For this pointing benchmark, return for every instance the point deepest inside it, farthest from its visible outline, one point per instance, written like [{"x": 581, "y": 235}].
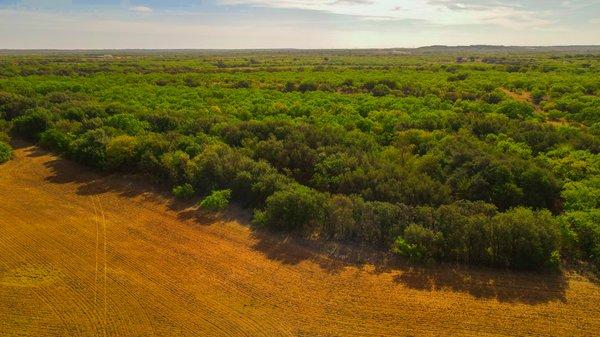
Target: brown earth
[
  {"x": 85, "y": 254},
  {"x": 524, "y": 96}
]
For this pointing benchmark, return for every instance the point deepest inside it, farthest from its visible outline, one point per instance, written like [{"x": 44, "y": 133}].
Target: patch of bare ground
[
  {"x": 87, "y": 254},
  {"x": 526, "y": 97}
]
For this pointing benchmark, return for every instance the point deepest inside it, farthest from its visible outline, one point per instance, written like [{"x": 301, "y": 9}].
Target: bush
[
  {"x": 289, "y": 87},
  {"x": 128, "y": 123},
  {"x": 121, "y": 152},
  {"x": 5, "y": 152},
  {"x": 582, "y": 195},
  {"x": 242, "y": 84},
  {"x": 184, "y": 192},
  {"x": 4, "y": 137},
  {"x": 90, "y": 148},
  {"x": 295, "y": 208},
  {"x": 307, "y": 86},
  {"x": 56, "y": 140},
  {"x": 405, "y": 249},
  {"x": 31, "y": 124},
  {"x": 418, "y": 243},
  {"x": 14, "y": 105},
  {"x": 217, "y": 200},
  {"x": 514, "y": 109},
  {"x": 340, "y": 217},
  {"x": 380, "y": 90},
  {"x": 524, "y": 239},
  {"x": 586, "y": 226}
]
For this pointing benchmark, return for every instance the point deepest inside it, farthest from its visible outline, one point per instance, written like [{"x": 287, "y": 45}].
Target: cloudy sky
[{"x": 69, "y": 24}]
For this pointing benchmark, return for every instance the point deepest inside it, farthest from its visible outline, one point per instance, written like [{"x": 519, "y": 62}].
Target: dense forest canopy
[{"x": 480, "y": 158}]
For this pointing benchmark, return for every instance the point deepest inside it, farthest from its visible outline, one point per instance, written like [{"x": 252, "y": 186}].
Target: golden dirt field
[{"x": 82, "y": 254}]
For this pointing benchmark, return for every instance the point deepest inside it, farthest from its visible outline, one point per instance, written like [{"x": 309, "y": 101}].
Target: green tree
[
  {"x": 218, "y": 200},
  {"x": 5, "y": 152},
  {"x": 296, "y": 207},
  {"x": 524, "y": 239},
  {"x": 184, "y": 191},
  {"x": 32, "y": 123},
  {"x": 121, "y": 153}
]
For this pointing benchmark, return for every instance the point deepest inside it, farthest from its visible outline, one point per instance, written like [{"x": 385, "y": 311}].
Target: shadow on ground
[{"x": 505, "y": 286}]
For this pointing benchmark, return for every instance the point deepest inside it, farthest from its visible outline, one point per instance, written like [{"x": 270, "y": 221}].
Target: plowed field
[{"x": 85, "y": 254}]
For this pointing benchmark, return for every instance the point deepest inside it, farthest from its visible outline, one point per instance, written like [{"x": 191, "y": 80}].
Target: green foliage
[
  {"x": 184, "y": 192},
  {"x": 380, "y": 90},
  {"x": 403, "y": 248},
  {"x": 514, "y": 109},
  {"x": 127, "y": 123},
  {"x": 419, "y": 243},
  {"x": 582, "y": 195},
  {"x": 586, "y": 227},
  {"x": 5, "y": 152},
  {"x": 90, "y": 148},
  {"x": 524, "y": 239},
  {"x": 432, "y": 157},
  {"x": 218, "y": 200},
  {"x": 295, "y": 208},
  {"x": 14, "y": 105},
  {"x": 121, "y": 153},
  {"x": 31, "y": 124},
  {"x": 4, "y": 137},
  {"x": 56, "y": 140}
]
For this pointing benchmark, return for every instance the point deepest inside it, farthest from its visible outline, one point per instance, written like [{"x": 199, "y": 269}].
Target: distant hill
[{"x": 435, "y": 49}]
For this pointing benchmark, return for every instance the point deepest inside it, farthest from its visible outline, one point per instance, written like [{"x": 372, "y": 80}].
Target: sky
[{"x": 242, "y": 24}]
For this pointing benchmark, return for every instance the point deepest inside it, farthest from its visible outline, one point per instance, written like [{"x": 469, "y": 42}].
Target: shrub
[
  {"x": 417, "y": 243},
  {"x": 380, "y": 90},
  {"x": 4, "y": 137},
  {"x": 14, "y": 105},
  {"x": 90, "y": 148},
  {"x": 296, "y": 207},
  {"x": 524, "y": 239},
  {"x": 184, "y": 192},
  {"x": 242, "y": 84},
  {"x": 289, "y": 87},
  {"x": 217, "y": 201},
  {"x": 56, "y": 140},
  {"x": 128, "y": 123},
  {"x": 121, "y": 152},
  {"x": 340, "y": 217},
  {"x": 586, "y": 226},
  {"x": 307, "y": 86},
  {"x": 514, "y": 109},
  {"x": 582, "y": 195},
  {"x": 405, "y": 249},
  {"x": 5, "y": 152},
  {"x": 31, "y": 124}
]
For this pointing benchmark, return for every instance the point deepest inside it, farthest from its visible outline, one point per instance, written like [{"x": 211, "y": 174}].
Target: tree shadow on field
[
  {"x": 292, "y": 250},
  {"x": 505, "y": 286},
  {"x": 90, "y": 182}
]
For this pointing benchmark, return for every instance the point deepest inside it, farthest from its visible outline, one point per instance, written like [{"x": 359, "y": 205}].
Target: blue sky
[{"x": 68, "y": 24}]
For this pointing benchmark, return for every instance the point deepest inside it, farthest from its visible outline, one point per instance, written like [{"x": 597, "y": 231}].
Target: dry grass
[
  {"x": 88, "y": 255},
  {"x": 526, "y": 97}
]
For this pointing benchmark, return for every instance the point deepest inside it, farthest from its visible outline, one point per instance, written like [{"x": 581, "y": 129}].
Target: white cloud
[
  {"x": 141, "y": 9},
  {"x": 303, "y": 24},
  {"x": 511, "y": 14}
]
